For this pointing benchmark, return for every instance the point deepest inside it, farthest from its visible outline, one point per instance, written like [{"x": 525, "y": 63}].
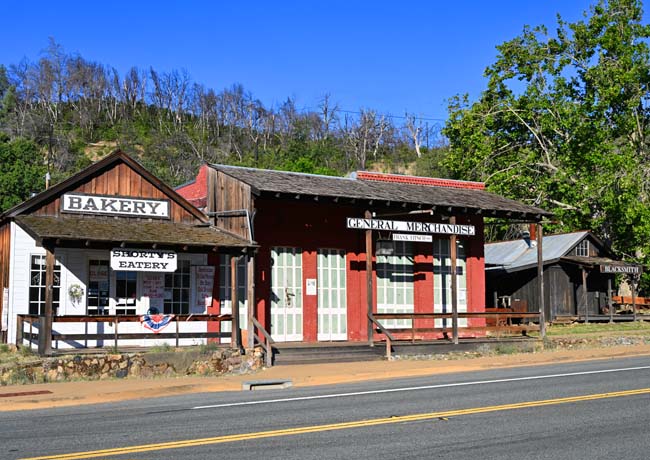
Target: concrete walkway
[{"x": 14, "y": 397}]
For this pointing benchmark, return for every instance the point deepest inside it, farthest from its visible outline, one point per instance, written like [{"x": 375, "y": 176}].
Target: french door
[
  {"x": 332, "y": 300},
  {"x": 286, "y": 294}
]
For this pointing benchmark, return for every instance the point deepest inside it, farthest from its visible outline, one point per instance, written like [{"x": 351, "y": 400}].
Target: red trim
[{"x": 417, "y": 180}]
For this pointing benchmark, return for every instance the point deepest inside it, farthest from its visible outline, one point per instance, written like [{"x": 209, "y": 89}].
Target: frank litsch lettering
[{"x": 103, "y": 205}]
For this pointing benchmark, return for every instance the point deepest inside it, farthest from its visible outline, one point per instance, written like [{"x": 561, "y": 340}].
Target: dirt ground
[{"x": 14, "y": 397}]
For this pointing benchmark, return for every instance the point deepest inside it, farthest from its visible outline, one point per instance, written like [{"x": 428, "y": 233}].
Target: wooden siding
[
  {"x": 120, "y": 180},
  {"x": 563, "y": 293},
  {"x": 5, "y": 264},
  {"x": 226, "y": 193}
]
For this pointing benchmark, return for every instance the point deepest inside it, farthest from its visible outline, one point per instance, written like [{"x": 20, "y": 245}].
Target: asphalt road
[{"x": 593, "y": 410}]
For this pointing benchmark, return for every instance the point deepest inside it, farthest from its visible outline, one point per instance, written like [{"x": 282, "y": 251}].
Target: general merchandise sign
[{"x": 405, "y": 226}]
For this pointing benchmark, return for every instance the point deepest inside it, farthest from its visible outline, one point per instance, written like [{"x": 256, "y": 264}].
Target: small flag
[{"x": 156, "y": 323}]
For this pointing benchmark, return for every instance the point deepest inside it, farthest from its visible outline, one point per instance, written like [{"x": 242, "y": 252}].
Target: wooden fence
[{"x": 28, "y": 327}]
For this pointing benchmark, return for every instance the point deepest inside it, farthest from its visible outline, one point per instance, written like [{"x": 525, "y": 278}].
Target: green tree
[
  {"x": 22, "y": 171},
  {"x": 564, "y": 124}
]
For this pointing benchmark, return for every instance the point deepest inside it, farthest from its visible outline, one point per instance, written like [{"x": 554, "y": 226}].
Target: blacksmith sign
[
  {"x": 621, "y": 268},
  {"x": 114, "y": 206},
  {"x": 405, "y": 226},
  {"x": 143, "y": 260}
]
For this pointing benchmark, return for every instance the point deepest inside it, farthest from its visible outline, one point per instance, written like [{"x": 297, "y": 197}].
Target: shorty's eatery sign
[
  {"x": 114, "y": 205},
  {"x": 143, "y": 260},
  {"x": 405, "y": 226}
]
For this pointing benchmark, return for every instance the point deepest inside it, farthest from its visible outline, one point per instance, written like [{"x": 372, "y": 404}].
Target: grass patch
[
  {"x": 208, "y": 348},
  {"x": 595, "y": 328},
  {"x": 162, "y": 348}
]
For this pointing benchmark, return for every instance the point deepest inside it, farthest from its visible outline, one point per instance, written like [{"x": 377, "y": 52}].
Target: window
[
  {"x": 582, "y": 249},
  {"x": 37, "y": 286},
  {"x": 395, "y": 284},
  {"x": 177, "y": 290},
  {"x": 98, "y": 287},
  {"x": 126, "y": 292}
]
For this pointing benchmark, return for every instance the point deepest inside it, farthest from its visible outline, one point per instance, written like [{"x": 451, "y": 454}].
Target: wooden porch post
[
  {"x": 634, "y": 297},
  {"x": 585, "y": 297},
  {"x": 369, "y": 289},
  {"x": 250, "y": 294},
  {"x": 453, "y": 250},
  {"x": 540, "y": 284},
  {"x": 610, "y": 304},
  {"x": 235, "y": 337},
  {"x": 45, "y": 329}
]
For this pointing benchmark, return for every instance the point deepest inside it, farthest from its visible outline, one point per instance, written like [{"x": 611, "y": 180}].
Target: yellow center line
[{"x": 334, "y": 426}]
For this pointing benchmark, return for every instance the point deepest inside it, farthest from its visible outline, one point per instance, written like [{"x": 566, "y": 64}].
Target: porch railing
[
  {"x": 500, "y": 323},
  {"x": 28, "y": 327},
  {"x": 264, "y": 340}
]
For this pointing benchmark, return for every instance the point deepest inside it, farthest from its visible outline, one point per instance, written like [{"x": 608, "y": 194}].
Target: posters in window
[
  {"x": 204, "y": 276},
  {"x": 153, "y": 286}
]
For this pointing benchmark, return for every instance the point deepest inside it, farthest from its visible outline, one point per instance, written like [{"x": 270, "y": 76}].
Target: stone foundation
[{"x": 137, "y": 365}]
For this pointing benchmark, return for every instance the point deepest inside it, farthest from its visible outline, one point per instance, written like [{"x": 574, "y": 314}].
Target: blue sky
[{"x": 392, "y": 56}]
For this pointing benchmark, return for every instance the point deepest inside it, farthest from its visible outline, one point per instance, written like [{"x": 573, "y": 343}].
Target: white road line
[{"x": 424, "y": 387}]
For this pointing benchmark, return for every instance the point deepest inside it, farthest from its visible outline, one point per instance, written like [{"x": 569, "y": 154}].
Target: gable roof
[
  {"x": 516, "y": 255},
  {"x": 107, "y": 162},
  {"x": 368, "y": 187}
]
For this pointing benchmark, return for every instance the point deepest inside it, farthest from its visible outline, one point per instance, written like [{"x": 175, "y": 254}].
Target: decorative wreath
[{"x": 75, "y": 292}]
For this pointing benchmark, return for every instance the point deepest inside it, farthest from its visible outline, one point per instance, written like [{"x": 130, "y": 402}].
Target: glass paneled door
[
  {"x": 442, "y": 281},
  {"x": 332, "y": 304},
  {"x": 286, "y": 294}
]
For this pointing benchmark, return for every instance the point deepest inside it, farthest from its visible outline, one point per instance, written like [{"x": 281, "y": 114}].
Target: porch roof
[{"x": 102, "y": 229}]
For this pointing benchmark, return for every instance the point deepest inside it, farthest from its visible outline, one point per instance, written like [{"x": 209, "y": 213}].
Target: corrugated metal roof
[{"x": 517, "y": 255}]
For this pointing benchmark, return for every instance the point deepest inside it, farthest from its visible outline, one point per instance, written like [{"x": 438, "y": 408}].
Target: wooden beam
[
  {"x": 250, "y": 293},
  {"x": 454, "y": 282},
  {"x": 585, "y": 297},
  {"x": 540, "y": 283},
  {"x": 235, "y": 339},
  {"x": 369, "y": 289},
  {"x": 45, "y": 329},
  {"x": 610, "y": 304},
  {"x": 634, "y": 297}
]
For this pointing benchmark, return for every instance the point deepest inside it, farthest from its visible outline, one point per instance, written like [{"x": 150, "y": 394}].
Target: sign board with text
[
  {"x": 623, "y": 268},
  {"x": 78, "y": 203},
  {"x": 413, "y": 227},
  {"x": 143, "y": 260}
]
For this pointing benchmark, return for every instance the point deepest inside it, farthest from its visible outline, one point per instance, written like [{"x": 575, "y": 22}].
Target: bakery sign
[
  {"x": 114, "y": 206},
  {"x": 143, "y": 260},
  {"x": 405, "y": 226}
]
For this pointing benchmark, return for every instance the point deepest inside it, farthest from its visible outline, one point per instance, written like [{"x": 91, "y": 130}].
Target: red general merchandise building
[{"x": 333, "y": 251}]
